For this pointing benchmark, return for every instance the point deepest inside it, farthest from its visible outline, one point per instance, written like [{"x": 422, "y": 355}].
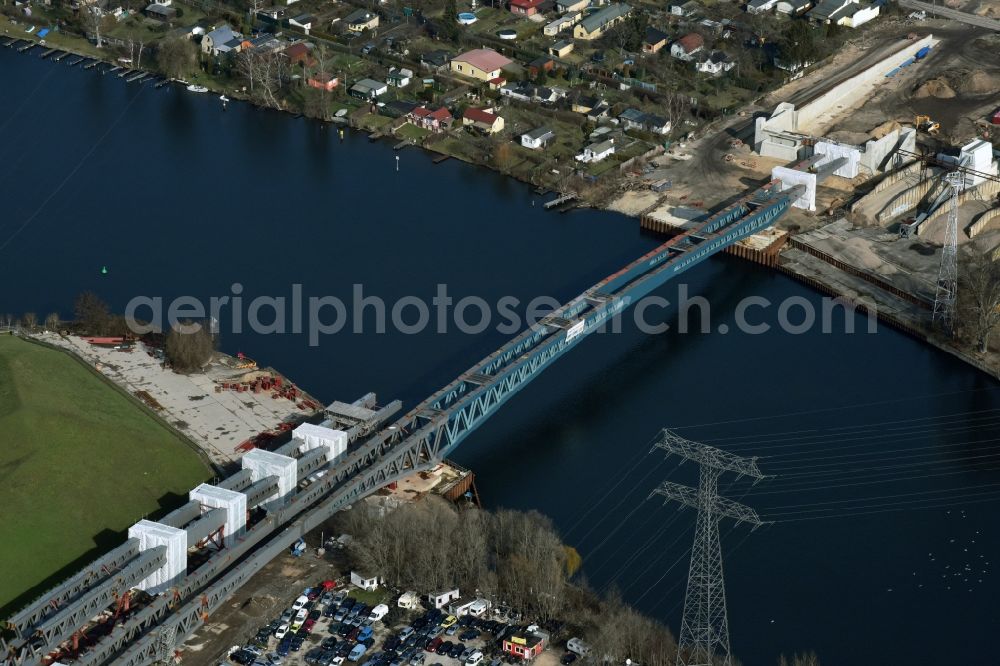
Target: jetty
[
  {"x": 26, "y": 47},
  {"x": 92, "y": 64},
  {"x": 47, "y": 53},
  {"x": 441, "y": 158},
  {"x": 75, "y": 62},
  {"x": 60, "y": 56},
  {"x": 559, "y": 201}
]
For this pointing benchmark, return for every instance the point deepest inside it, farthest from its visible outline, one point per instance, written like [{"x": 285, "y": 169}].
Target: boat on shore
[{"x": 197, "y": 89}]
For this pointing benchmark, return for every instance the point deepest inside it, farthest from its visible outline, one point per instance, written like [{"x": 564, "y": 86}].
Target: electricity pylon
[
  {"x": 947, "y": 285},
  {"x": 704, "y": 638}
]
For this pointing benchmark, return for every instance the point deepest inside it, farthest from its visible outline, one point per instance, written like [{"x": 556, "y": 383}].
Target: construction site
[{"x": 872, "y": 135}]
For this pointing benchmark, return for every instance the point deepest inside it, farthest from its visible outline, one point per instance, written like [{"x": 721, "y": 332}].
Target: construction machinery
[{"x": 926, "y": 124}]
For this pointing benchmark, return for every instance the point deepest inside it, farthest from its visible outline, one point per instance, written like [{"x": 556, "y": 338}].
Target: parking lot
[{"x": 327, "y": 626}]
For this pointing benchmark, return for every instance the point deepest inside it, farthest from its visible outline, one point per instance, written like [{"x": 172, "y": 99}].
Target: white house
[
  {"x": 440, "y": 599},
  {"x": 460, "y": 607},
  {"x": 399, "y": 77},
  {"x": 761, "y": 6},
  {"x": 714, "y": 63},
  {"x": 596, "y": 152},
  {"x": 364, "y": 581},
  {"x": 304, "y": 21},
  {"x": 561, "y": 23},
  {"x": 214, "y": 42},
  {"x": 538, "y": 138},
  {"x": 685, "y": 47}
]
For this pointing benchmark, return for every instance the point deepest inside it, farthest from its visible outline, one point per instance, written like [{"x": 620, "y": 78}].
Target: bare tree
[
  {"x": 979, "y": 294},
  {"x": 93, "y": 22},
  {"x": 52, "y": 321},
  {"x": 265, "y": 72},
  {"x": 189, "y": 347},
  {"x": 92, "y": 313},
  {"x": 176, "y": 56},
  {"x": 29, "y": 320}
]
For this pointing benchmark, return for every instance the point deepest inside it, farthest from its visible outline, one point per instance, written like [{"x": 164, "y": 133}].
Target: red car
[{"x": 308, "y": 625}]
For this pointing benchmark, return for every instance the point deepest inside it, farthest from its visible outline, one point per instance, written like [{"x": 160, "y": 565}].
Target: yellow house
[
  {"x": 482, "y": 64},
  {"x": 597, "y": 24},
  {"x": 361, "y": 20}
]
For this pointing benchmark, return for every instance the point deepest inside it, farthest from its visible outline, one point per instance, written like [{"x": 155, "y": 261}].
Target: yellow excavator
[{"x": 925, "y": 124}]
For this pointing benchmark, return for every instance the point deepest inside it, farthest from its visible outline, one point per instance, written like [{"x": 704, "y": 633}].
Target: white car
[
  {"x": 301, "y": 615},
  {"x": 474, "y": 658},
  {"x": 337, "y": 661},
  {"x": 300, "y": 603},
  {"x": 280, "y": 632}
]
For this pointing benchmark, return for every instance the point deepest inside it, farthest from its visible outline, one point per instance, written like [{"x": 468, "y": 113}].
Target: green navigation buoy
[{"x": 104, "y": 270}]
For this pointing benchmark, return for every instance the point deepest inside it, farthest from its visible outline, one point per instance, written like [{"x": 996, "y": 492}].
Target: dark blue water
[{"x": 883, "y": 449}]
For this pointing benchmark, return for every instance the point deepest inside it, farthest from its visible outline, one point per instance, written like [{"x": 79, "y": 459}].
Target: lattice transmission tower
[
  {"x": 947, "y": 285},
  {"x": 704, "y": 638}
]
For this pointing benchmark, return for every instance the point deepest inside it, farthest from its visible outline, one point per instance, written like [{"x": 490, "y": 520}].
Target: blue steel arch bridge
[{"x": 83, "y": 617}]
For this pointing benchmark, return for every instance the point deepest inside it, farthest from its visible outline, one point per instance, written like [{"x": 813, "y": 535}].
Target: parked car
[
  {"x": 449, "y": 621},
  {"x": 469, "y": 634},
  {"x": 405, "y": 632},
  {"x": 466, "y": 653},
  {"x": 281, "y": 631},
  {"x": 456, "y": 650},
  {"x": 474, "y": 659},
  {"x": 357, "y": 652},
  {"x": 568, "y": 658},
  {"x": 445, "y": 648},
  {"x": 368, "y": 48},
  {"x": 365, "y": 633},
  {"x": 451, "y": 631},
  {"x": 433, "y": 645},
  {"x": 300, "y": 603}
]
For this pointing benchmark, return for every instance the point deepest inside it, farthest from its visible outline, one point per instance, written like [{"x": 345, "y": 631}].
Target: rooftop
[
  {"x": 605, "y": 16},
  {"x": 486, "y": 60}
]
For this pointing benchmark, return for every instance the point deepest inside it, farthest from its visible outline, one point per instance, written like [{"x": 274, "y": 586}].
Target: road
[{"x": 954, "y": 14}]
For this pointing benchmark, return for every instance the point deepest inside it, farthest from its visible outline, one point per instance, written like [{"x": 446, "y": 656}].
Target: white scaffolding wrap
[
  {"x": 152, "y": 534},
  {"x": 263, "y": 464},
  {"x": 235, "y": 504},
  {"x": 313, "y": 436}
]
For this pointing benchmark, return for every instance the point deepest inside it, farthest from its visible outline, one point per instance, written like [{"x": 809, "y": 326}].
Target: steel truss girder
[
  {"x": 23, "y": 622},
  {"x": 62, "y": 625}
]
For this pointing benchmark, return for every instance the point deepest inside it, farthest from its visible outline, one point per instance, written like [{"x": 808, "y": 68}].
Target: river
[{"x": 883, "y": 449}]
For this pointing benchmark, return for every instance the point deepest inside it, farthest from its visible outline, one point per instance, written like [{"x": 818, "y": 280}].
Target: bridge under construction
[{"x": 136, "y": 604}]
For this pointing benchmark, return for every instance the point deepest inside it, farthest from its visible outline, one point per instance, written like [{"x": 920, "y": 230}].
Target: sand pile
[
  {"x": 977, "y": 81},
  {"x": 934, "y": 88},
  {"x": 884, "y": 129}
]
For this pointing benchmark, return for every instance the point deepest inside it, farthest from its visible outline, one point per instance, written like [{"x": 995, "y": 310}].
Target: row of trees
[{"x": 511, "y": 557}]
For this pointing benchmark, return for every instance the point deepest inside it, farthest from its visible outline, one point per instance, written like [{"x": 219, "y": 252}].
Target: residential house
[
  {"x": 526, "y": 92},
  {"x": 654, "y": 40},
  {"x": 793, "y": 7},
  {"x": 685, "y": 9},
  {"x": 537, "y": 138},
  {"x": 596, "y": 152},
  {"x": 594, "y": 108},
  {"x": 685, "y": 47},
  {"x": 523, "y": 645},
  {"x": 485, "y": 120},
  {"x": 161, "y": 12},
  {"x": 435, "y": 60},
  {"x": 298, "y": 54},
  {"x": 760, "y": 6},
  {"x": 562, "y": 23},
  {"x": 539, "y": 65},
  {"x": 364, "y": 581},
  {"x": 567, "y": 6},
  {"x": 482, "y": 64},
  {"x": 634, "y": 119},
  {"x": 598, "y": 23},
  {"x": 264, "y": 42},
  {"x": 368, "y": 89},
  {"x": 398, "y": 109},
  {"x": 215, "y": 42},
  {"x": 714, "y": 63},
  {"x": 851, "y": 13},
  {"x": 524, "y": 7},
  {"x": 323, "y": 81},
  {"x": 497, "y": 83},
  {"x": 561, "y": 49},
  {"x": 361, "y": 20},
  {"x": 399, "y": 77},
  {"x": 304, "y": 21},
  {"x": 436, "y": 120},
  {"x": 440, "y": 599},
  {"x": 272, "y": 14}
]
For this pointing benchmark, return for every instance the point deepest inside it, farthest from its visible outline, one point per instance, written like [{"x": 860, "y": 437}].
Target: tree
[
  {"x": 979, "y": 294},
  {"x": 176, "y": 56},
  {"x": 91, "y": 313},
  {"x": 449, "y": 21},
  {"x": 29, "y": 320},
  {"x": 189, "y": 347},
  {"x": 93, "y": 22},
  {"x": 52, "y": 321}
]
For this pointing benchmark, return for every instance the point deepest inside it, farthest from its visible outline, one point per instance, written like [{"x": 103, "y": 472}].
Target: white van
[
  {"x": 577, "y": 646},
  {"x": 378, "y": 613},
  {"x": 474, "y": 658}
]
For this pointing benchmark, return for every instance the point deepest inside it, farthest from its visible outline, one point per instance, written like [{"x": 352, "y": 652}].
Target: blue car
[{"x": 285, "y": 646}]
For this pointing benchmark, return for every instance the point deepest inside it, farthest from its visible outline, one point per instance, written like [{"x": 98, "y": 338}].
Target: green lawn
[
  {"x": 370, "y": 597},
  {"x": 79, "y": 463}
]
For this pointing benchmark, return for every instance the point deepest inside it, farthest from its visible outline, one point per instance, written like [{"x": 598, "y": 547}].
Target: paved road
[{"x": 965, "y": 17}]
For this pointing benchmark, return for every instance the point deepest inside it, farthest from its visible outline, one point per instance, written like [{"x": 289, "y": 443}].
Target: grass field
[{"x": 79, "y": 463}]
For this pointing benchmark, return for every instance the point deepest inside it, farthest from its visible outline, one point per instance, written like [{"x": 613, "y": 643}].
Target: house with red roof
[
  {"x": 482, "y": 64},
  {"x": 685, "y": 47},
  {"x": 323, "y": 81},
  {"x": 484, "y": 120},
  {"x": 525, "y": 7},
  {"x": 436, "y": 120}
]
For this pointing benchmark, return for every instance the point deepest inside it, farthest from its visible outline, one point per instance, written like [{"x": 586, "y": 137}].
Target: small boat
[
  {"x": 30, "y": 30},
  {"x": 223, "y": 98},
  {"x": 197, "y": 89}
]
